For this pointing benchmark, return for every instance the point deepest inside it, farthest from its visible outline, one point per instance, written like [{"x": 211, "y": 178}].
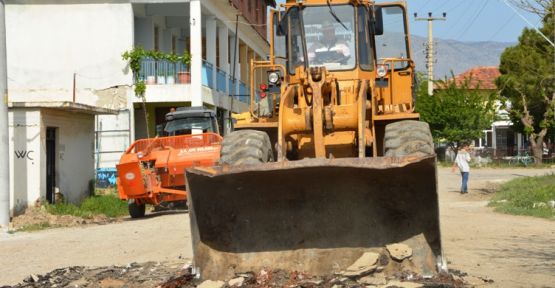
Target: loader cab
[
  {"x": 184, "y": 120},
  {"x": 342, "y": 37}
]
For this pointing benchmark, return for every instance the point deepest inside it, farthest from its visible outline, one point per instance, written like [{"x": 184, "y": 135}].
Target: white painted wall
[
  {"x": 74, "y": 152},
  {"x": 74, "y": 155},
  {"x": 182, "y": 93},
  {"x": 25, "y": 158},
  {"x": 47, "y": 43}
]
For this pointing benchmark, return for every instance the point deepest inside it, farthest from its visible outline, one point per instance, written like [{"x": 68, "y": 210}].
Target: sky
[{"x": 469, "y": 20}]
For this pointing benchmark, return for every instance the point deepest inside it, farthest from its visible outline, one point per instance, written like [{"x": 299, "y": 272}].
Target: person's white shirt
[{"x": 462, "y": 159}]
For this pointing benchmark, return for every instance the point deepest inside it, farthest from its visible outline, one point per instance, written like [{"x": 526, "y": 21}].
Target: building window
[
  {"x": 174, "y": 44},
  {"x": 156, "y": 38},
  {"x": 489, "y": 139}
]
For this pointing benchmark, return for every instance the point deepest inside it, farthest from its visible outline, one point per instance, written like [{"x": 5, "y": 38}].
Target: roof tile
[{"x": 482, "y": 77}]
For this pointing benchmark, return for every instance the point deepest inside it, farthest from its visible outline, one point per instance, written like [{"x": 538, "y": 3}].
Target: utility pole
[
  {"x": 4, "y": 151},
  {"x": 430, "y": 48}
]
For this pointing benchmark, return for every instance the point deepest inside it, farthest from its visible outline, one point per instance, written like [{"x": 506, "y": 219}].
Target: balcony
[{"x": 163, "y": 72}]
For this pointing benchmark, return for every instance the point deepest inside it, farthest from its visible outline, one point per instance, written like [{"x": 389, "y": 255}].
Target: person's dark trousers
[{"x": 464, "y": 186}]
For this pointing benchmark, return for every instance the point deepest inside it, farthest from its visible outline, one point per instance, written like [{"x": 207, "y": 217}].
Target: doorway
[{"x": 50, "y": 164}]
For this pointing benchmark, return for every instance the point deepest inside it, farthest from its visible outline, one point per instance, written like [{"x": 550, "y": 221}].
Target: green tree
[
  {"x": 457, "y": 113},
  {"x": 527, "y": 83}
]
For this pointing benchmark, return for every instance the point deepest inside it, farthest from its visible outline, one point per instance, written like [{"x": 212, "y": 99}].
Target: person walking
[{"x": 461, "y": 161}]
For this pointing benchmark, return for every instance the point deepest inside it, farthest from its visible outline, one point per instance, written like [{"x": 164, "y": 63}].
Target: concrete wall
[
  {"x": 74, "y": 155},
  {"x": 25, "y": 158},
  {"x": 74, "y": 152},
  {"x": 48, "y": 43}
]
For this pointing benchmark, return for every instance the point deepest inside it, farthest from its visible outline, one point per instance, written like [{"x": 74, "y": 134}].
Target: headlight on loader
[
  {"x": 273, "y": 78},
  {"x": 381, "y": 70}
]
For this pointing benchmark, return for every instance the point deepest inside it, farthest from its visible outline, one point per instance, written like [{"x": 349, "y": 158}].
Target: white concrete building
[{"x": 71, "y": 93}]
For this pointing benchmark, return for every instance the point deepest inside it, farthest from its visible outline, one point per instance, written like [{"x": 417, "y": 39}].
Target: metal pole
[
  {"x": 4, "y": 138},
  {"x": 430, "y": 48},
  {"x": 74, "y": 92},
  {"x": 232, "y": 95},
  {"x": 430, "y": 59}
]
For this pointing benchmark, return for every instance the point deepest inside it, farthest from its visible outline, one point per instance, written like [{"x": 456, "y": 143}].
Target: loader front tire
[
  {"x": 246, "y": 147},
  {"x": 136, "y": 210},
  {"x": 408, "y": 138}
]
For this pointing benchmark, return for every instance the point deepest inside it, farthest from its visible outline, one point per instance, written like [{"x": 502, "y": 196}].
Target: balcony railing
[
  {"x": 244, "y": 92},
  {"x": 207, "y": 69},
  {"x": 232, "y": 87},
  {"x": 164, "y": 72},
  {"x": 220, "y": 79}
]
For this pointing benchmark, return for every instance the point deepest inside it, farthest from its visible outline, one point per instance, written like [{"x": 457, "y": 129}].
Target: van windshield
[{"x": 185, "y": 125}]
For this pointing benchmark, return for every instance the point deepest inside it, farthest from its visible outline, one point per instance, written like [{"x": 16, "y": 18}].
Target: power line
[
  {"x": 456, "y": 5},
  {"x": 426, "y": 4},
  {"x": 441, "y": 6},
  {"x": 502, "y": 27},
  {"x": 462, "y": 16},
  {"x": 474, "y": 19},
  {"x": 533, "y": 26}
]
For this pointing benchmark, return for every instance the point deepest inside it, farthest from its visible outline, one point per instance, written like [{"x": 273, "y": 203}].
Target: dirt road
[
  {"x": 163, "y": 237},
  {"x": 514, "y": 251}
]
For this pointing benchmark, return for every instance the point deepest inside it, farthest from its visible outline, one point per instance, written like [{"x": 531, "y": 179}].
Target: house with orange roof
[{"x": 501, "y": 138}]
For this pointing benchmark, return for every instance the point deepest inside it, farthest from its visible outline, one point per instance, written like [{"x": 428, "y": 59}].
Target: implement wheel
[
  {"x": 136, "y": 210},
  {"x": 408, "y": 138},
  {"x": 246, "y": 147}
]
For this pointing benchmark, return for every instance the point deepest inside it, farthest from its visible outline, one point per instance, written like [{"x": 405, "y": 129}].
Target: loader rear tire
[
  {"x": 136, "y": 210},
  {"x": 408, "y": 138},
  {"x": 245, "y": 147}
]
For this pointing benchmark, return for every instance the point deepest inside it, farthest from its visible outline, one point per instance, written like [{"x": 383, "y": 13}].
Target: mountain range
[{"x": 456, "y": 56}]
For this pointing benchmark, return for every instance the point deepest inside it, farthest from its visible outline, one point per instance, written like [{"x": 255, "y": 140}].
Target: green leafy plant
[
  {"x": 185, "y": 58},
  {"x": 156, "y": 55},
  {"x": 140, "y": 89},
  {"x": 457, "y": 112},
  {"x": 134, "y": 57},
  {"x": 173, "y": 58}
]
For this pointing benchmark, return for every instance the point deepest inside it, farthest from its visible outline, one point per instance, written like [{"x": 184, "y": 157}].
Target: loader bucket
[{"x": 315, "y": 215}]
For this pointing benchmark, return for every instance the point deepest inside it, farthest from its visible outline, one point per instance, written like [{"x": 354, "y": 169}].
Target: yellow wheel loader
[{"x": 331, "y": 160}]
